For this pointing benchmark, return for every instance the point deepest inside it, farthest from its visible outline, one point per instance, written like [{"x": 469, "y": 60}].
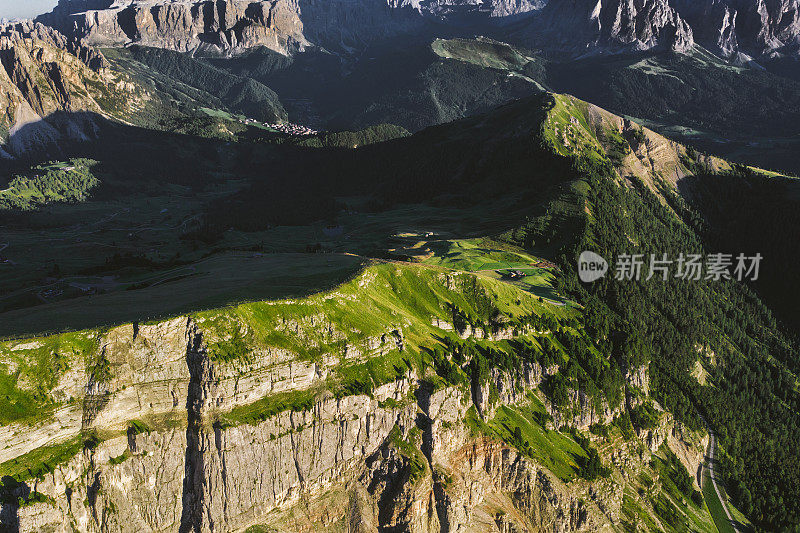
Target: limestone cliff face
[
  {"x": 44, "y": 76},
  {"x": 229, "y": 26},
  {"x": 752, "y": 27},
  {"x": 574, "y": 27},
  {"x": 580, "y": 27},
  {"x": 714, "y": 24},
  {"x": 401, "y": 458},
  {"x": 232, "y": 26},
  {"x": 183, "y": 26},
  {"x": 39, "y": 32},
  {"x": 189, "y": 473}
]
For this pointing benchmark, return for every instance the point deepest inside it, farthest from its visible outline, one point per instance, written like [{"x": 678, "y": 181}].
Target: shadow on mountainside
[
  {"x": 179, "y": 222},
  {"x": 46, "y": 137},
  {"x": 142, "y": 230},
  {"x": 12, "y": 494}
]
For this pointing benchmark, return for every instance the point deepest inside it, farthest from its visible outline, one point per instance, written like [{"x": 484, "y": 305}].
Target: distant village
[
  {"x": 293, "y": 129},
  {"x": 284, "y": 127}
]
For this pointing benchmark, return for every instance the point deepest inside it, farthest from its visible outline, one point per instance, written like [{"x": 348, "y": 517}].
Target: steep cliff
[
  {"x": 231, "y": 26},
  {"x": 582, "y": 27},
  {"x": 337, "y": 412},
  {"x": 44, "y": 76},
  {"x": 228, "y": 26},
  {"x": 37, "y": 31},
  {"x": 752, "y": 27},
  {"x": 730, "y": 27}
]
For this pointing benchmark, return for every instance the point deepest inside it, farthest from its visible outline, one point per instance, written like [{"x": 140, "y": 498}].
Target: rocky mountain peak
[
  {"x": 232, "y": 26},
  {"x": 753, "y": 27},
  {"x": 596, "y": 26},
  {"x": 27, "y": 29},
  {"x": 576, "y": 27},
  {"x": 45, "y": 81}
]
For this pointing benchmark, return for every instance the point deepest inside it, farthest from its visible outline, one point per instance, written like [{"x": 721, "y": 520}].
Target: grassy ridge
[
  {"x": 382, "y": 299},
  {"x": 213, "y": 282},
  {"x": 385, "y": 297}
]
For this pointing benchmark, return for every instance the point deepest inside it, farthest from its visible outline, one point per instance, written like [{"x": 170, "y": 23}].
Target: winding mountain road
[{"x": 709, "y": 465}]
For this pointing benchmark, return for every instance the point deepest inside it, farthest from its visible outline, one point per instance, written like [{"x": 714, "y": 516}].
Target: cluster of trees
[
  {"x": 744, "y": 211},
  {"x": 241, "y": 95},
  {"x": 591, "y": 465},
  {"x": 592, "y": 368},
  {"x": 753, "y": 406},
  {"x": 645, "y": 416},
  {"x": 50, "y": 183},
  {"x": 587, "y": 368},
  {"x": 354, "y": 139},
  {"x": 445, "y": 367}
]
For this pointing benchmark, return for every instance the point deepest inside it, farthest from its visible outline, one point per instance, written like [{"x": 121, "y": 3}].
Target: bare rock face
[
  {"x": 43, "y": 88},
  {"x": 365, "y": 461},
  {"x": 753, "y": 27},
  {"x": 403, "y": 458},
  {"x": 230, "y": 26},
  {"x": 499, "y": 9},
  {"x": 637, "y": 386},
  {"x": 713, "y": 23},
  {"x": 34, "y": 30},
  {"x": 573, "y": 27},
  {"x": 181, "y": 26},
  {"x": 580, "y": 27},
  {"x": 286, "y": 26}
]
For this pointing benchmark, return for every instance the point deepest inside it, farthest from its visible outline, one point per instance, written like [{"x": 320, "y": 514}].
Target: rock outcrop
[
  {"x": 713, "y": 23},
  {"x": 580, "y": 27},
  {"x": 752, "y": 27},
  {"x": 182, "y": 26},
  {"x": 187, "y": 471},
  {"x": 232, "y": 26},
  {"x": 44, "y": 88},
  {"x": 36, "y": 31}
]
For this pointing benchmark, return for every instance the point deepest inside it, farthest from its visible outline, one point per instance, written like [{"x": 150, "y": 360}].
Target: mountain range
[
  {"x": 307, "y": 265},
  {"x": 755, "y": 28}
]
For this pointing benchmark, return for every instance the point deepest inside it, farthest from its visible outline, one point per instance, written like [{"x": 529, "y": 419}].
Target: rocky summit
[
  {"x": 591, "y": 26},
  {"x": 753, "y": 27},
  {"x": 226, "y": 26},
  {"x": 44, "y": 75}
]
